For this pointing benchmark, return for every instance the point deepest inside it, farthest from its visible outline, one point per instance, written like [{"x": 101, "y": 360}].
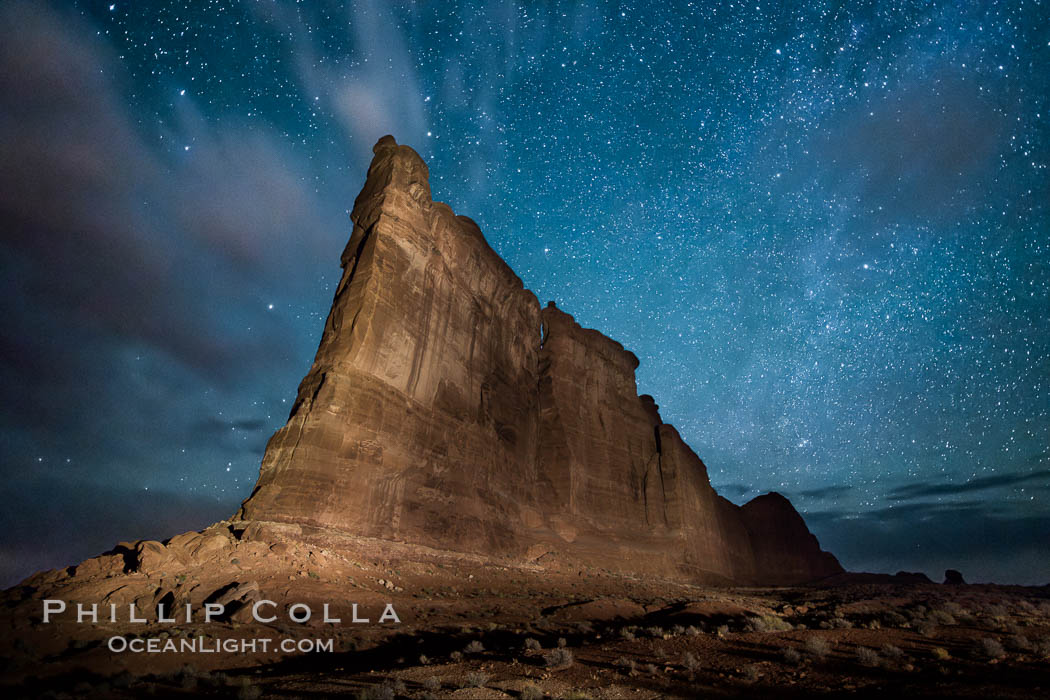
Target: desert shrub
[
  {"x": 562, "y": 643},
  {"x": 124, "y": 679},
  {"x": 690, "y": 663},
  {"x": 627, "y": 665},
  {"x": 892, "y": 618},
  {"x": 991, "y": 648},
  {"x": 927, "y": 629},
  {"x": 190, "y": 676},
  {"x": 475, "y": 647},
  {"x": 531, "y": 692},
  {"x": 940, "y": 653},
  {"x": 533, "y": 644},
  {"x": 996, "y": 615},
  {"x": 387, "y": 690},
  {"x": 249, "y": 692},
  {"x": 218, "y": 679},
  {"x": 432, "y": 684},
  {"x": 475, "y": 679},
  {"x": 651, "y": 669},
  {"x": 627, "y": 633},
  {"x": 655, "y": 632},
  {"x": 873, "y": 624},
  {"x": 942, "y": 617},
  {"x": 660, "y": 653},
  {"x": 1044, "y": 608},
  {"x": 1019, "y": 642},
  {"x": 377, "y": 692},
  {"x": 424, "y": 660},
  {"x": 768, "y": 623},
  {"x": 585, "y": 627},
  {"x": 792, "y": 656},
  {"x": 752, "y": 673},
  {"x": 693, "y": 631},
  {"x": 867, "y": 657},
  {"x": 891, "y": 651},
  {"x": 558, "y": 658},
  {"x": 456, "y": 656},
  {"x": 678, "y": 630},
  {"x": 576, "y": 695},
  {"x": 722, "y": 630},
  {"x": 818, "y": 647}
]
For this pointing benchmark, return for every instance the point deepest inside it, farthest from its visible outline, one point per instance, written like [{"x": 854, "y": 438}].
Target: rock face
[{"x": 446, "y": 408}]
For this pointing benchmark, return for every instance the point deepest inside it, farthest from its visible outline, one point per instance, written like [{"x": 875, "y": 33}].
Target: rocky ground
[{"x": 482, "y": 628}]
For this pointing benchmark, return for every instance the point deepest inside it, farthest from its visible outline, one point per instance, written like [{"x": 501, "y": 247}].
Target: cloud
[
  {"x": 378, "y": 92},
  {"x": 926, "y": 489},
  {"x": 67, "y": 527},
  {"x": 733, "y": 490},
  {"x": 220, "y": 426},
  {"x": 826, "y": 492},
  {"x": 988, "y": 542},
  {"x": 141, "y": 241},
  {"x": 140, "y": 253},
  {"x": 136, "y": 278}
]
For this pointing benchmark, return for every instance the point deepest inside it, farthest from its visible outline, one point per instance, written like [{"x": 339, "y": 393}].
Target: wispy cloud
[
  {"x": 826, "y": 492},
  {"x": 1041, "y": 479},
  {"x": 122, "y": 236},
  {"x": 987, "y": 542}
]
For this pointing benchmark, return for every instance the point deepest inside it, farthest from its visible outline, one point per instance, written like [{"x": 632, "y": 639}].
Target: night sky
[{"x": 822, "y": 227}]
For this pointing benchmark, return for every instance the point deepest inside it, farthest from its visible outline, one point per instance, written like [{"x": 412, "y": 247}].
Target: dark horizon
[{"x": 826, "y": 238}]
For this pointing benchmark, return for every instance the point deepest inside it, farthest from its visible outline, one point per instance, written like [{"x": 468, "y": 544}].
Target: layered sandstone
[{"x": 445, "y": 408}]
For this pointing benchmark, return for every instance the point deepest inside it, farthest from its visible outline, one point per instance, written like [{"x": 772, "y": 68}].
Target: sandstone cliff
[{"x": 446, "y": 408}]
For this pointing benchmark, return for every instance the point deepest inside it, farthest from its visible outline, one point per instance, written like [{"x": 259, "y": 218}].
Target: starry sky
[{"x": 823, "y": 228}]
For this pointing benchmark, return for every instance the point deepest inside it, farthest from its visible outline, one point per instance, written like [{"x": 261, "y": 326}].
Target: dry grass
[
  {"x": 867, "y": 657},
  {"x": 818, "y": 648},
  {"x": 475, "y": 679},
  {"x": 559, "y": 658}
]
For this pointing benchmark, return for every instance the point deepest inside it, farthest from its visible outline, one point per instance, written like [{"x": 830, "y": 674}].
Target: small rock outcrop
[{"x": 445, "y": 408}]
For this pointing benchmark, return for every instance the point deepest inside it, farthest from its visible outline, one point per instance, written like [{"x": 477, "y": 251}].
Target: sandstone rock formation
[{"x": 446, "y": 408}]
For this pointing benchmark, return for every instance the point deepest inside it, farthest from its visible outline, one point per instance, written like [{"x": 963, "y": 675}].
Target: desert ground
[{"x": 472, "y": 627}]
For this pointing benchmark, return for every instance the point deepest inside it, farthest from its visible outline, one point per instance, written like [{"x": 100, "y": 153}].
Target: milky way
[{"x": 823, "y": 229}]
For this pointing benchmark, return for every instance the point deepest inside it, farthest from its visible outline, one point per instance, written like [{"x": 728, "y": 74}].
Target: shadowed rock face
[{"x": 445, "y": 408}]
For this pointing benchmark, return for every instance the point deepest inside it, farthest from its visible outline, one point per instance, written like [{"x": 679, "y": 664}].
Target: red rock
[
  {"x": 445, "y": 408},
  {"x": 103, "y": 566},
  {"x": 152, "y": 556}
]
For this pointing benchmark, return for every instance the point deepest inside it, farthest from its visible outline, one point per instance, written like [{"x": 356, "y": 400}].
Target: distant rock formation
[
  {"x": 953, "y": 578},
  {"x": 912, "y": 576},
  {"x": 444, "y": 407}
]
